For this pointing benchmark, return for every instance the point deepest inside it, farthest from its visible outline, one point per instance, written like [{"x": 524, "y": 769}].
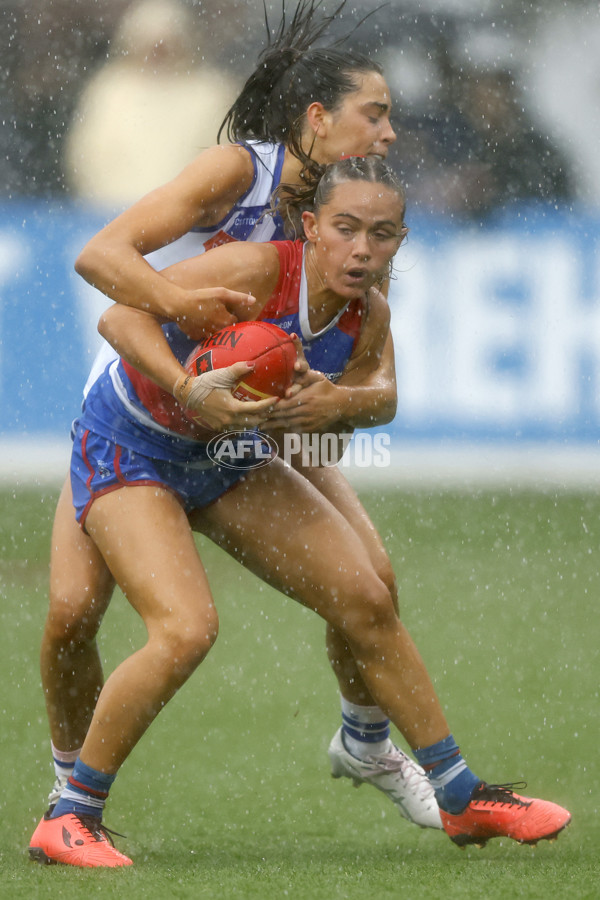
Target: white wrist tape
[{"x": 192, "y": 391}]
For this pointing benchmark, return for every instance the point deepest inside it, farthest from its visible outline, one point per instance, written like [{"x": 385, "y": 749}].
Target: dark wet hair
[
  {"x": 290, "y": 75},
  {"x": 291, "y": 201}
]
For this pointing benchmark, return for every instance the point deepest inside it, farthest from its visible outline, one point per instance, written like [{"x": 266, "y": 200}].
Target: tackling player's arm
[
  {"x": 241, "y": 266},
  {"x": 201, "y": 195},
  {"x": 137, "y": 336}
]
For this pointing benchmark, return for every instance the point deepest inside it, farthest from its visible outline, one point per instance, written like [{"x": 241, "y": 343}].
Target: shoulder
[
  {"x": 213, "y": 182},
  {"x": 374, "y": 322},
  {"x": 226, "y": 170},
  {"x": 291, "y": 253},
  {"x": 377, "y": 309}
]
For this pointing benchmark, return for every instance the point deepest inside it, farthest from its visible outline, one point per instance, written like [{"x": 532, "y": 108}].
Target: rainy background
[
  {"x": 489, "y": 508},
  {"x": 495, "y": 297}
]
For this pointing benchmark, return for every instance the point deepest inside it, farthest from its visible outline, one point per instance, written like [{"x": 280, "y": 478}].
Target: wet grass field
[{"x": 229, "y": 793}]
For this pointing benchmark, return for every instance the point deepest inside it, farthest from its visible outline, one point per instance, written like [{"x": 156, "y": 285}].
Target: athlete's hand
[
  {"x": 202, "y": 312},
  {"x": 210, "y": 396},
  {"x": 310, "y": 405},
  {"x": 301, "y": 368}
]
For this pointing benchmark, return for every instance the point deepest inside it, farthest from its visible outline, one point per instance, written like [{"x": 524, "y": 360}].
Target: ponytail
[{"x": 289, "y": 76}]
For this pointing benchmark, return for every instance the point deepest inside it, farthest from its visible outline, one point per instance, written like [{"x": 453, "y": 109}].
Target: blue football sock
[
  {"x": 85, "y": 793},
  {"x": 451, "y": 778}
]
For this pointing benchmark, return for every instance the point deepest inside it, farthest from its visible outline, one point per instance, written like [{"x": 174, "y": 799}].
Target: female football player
[
  {"x": 142, "y": 480},
  {"x": 300, "y": 107}
]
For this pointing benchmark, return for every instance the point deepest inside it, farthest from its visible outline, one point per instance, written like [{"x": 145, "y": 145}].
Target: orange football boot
[
  {"x": 496, "y": 811},
  {"x": 75, "y": 840}
]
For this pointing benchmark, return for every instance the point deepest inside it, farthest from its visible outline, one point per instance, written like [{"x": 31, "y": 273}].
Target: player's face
[
  {"x": 359, "y": 125},
  {"x": 354, "y": 237}
]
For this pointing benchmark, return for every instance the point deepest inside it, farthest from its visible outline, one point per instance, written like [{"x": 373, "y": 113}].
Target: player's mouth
[{"x": 357, "y": 275}]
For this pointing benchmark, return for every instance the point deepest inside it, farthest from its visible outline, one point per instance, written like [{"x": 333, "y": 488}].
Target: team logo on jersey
[{"x": 242, "y": 449}]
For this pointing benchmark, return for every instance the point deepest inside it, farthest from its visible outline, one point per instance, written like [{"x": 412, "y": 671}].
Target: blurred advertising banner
[{"x": 496, "y": 327}]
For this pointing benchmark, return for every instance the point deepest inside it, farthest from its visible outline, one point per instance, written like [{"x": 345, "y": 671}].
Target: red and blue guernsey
[{"x": 125, "y": 404}]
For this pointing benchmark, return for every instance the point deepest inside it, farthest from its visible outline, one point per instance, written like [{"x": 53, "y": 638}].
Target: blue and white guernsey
[{"x": 250, "y": 219}]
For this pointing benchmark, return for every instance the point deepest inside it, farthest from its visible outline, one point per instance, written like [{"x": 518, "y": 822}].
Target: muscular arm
[
  {"x": 371, "y": 394},
  {"x": 137, "y": 336},
  {"x": 113, "y": 261}
]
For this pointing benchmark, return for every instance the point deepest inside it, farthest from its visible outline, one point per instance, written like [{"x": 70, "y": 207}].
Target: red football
[{"x": 270, "y": 348}]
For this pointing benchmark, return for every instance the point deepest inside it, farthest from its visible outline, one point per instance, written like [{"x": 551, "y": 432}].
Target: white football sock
[{"x": 365, "y": 730}]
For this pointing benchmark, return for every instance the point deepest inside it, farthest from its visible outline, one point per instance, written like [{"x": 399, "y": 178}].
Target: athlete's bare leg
[
  {"x": 306, "y": 548},
  {"x": 81, "y": 587},
  {"x": 80, "y": 590},
  {"x": 143, "y": 533},
  {"x": 159, "y": 569},
  {"x": 332, "y": 484}
]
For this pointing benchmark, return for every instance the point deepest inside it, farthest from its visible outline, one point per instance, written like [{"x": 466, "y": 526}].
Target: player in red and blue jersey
[
  {"x": 336, "y": 103},
  {"x": 327, "y": 350},
  {"x": 143, "y": 525}
]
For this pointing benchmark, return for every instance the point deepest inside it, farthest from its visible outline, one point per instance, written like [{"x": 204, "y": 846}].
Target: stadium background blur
[{"x": 495, "y": 302}]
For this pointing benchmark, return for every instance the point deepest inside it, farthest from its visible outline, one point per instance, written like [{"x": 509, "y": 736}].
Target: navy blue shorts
[{"x": 99, "y": 466}]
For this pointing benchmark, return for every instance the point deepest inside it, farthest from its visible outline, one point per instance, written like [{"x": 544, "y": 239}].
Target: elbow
[
  {"x": 86, "y": 263},
  {"x": 105, "y": 329},
  {"x": 382, "y": 414},
  {"x": 391, "y": 409},
  {"x": 388, "y": 408},
  {"x": 102, "y": 327},
  {"x": 386, "y": 414}
]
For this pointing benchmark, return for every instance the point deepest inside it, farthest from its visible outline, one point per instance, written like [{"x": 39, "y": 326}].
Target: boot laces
[
  {"x": 97, "y": 829},
  {"x": 396, "y": 761},
  {"x": 500, "y": 793}
]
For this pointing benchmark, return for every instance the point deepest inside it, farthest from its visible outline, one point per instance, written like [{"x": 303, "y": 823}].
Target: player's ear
[
  {"x": 309, "y": 221},
  {"x": 317, "y": 118}
]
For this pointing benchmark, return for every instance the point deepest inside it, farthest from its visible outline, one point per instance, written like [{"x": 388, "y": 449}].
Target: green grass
[{"x": 229, "y": 796}]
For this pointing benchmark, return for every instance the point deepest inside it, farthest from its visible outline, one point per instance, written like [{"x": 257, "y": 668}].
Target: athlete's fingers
[
  {"x": 302, "y": 380},
  {"x": 236, "y": 301},
  {"x": 301, "y": 364},
  {"x": 207, "y": 310}
]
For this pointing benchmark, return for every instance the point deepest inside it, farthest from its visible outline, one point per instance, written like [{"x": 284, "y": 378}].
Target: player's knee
[
  {"x": 372, "y": 610},
  {"x": 185, "y": 645},
  {"x": 73, "y": 619},
  {"x": 386, "y": 574}
]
